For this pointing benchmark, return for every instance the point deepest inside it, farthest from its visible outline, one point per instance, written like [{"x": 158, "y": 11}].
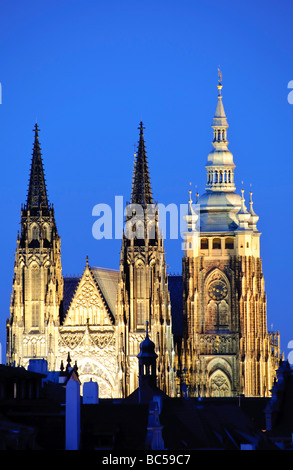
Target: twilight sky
[{"x": 88, "y": 71}]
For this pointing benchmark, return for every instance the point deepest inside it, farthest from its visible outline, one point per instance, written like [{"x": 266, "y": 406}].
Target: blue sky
[{"x": 89, "y": 71}]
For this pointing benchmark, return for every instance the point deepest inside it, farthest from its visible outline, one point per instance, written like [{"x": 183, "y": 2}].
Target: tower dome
[{"x": 147, "y": 347}]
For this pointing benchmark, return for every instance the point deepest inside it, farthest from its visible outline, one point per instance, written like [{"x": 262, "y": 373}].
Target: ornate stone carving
[{"x": 72, "y": 339}]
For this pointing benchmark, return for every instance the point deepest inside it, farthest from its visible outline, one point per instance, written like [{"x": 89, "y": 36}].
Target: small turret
[{"x": 147, "y": 359}]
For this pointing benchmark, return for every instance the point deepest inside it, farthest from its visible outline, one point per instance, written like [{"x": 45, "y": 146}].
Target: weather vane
[{"x": 220, "y": 75}]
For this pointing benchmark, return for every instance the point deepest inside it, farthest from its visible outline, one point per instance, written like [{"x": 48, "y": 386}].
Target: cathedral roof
[
  {"x": 69, "y": 287},
  {"x": 107, "y": 280}
]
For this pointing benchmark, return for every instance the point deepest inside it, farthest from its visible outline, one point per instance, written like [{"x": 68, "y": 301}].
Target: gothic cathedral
[{"x": 100, "y": 319}]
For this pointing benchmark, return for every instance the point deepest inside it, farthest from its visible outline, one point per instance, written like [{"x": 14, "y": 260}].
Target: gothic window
[
  {"x": 35, "y": 283},
  {"x": 140, "y": 291},
  {"x": 223, "y": 314},
  {"x": 35, "y": 232},
  {"x": 140, "y": 312},
  {"x": 218, "y": 306},
  {"x": 139, "y": 282},
  {"x": 219, "y": 384},
  {"x": 46, "y": 235},
  {"x": 35, "y": 315}
]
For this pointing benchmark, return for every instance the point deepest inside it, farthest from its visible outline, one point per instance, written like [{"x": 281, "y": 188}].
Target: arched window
[
  {"x": 35, "y": 232},
  {"x": 35, "y": 315},
  {"x": 140, "y": 312},
  {"x": 229, "y": 243},
  {"x": 35, "y": 283},
  {"x": 46, "y": 234},
  {"x": 140, "y": 293},
  {"x": 204, "y": 244},
  {"x": 216, "y": 243}
]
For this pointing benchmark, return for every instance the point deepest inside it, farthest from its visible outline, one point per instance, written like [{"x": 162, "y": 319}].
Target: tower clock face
[{"x": 218, "y": 290}]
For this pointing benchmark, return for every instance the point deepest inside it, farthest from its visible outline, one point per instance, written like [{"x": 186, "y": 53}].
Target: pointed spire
[
  {"x": 220, "y": 119},
  {"x": 192, "y": 216},
  {"x": 141, "y": 185},
  {"x": 220, "y": 166},
  {"x": 37, "y": 192},
  {"x": 253, "y": 216},
  {"x": 243, "y": 215},
  {"x": 220, "y": 124}
]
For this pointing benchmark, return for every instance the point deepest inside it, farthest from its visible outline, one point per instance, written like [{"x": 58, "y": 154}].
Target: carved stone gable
[{"x": 88, "y": 305}]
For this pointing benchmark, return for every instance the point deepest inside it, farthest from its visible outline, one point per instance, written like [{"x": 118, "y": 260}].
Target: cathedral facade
[{"x": 100, "y": 319}]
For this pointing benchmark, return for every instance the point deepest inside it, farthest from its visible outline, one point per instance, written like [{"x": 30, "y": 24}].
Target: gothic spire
[
  {"x": 141, "y": 185},
  {"x": 37, "y": 192}
]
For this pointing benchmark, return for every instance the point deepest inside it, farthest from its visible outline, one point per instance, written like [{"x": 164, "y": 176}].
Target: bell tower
[
  {"x": 143, "y": 294},
  {"x": 227, "y": 349},
  {"x": 32, "y": 329}
]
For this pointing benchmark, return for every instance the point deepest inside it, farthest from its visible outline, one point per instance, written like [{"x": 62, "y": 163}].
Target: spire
[
  {"x": 220, "y": 120},
  {"x": 192, "y": 216},
  {"x": 253, "y": 216},
  {"x": 141, "y": 185},
  {"x": 220, "y": 165},
  {"x": 37, "y": 192},
  {"x": 243, "y": 215}
]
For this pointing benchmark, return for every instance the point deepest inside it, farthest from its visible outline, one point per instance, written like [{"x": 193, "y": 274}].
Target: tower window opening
[
  {"x": 204, "y": 244},
  {"x": 229, "y": 243},
  {"x": 216, "y": 244}
]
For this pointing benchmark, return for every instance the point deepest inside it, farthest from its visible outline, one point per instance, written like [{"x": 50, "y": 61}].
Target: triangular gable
[{"x": 88, "y": 303}]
